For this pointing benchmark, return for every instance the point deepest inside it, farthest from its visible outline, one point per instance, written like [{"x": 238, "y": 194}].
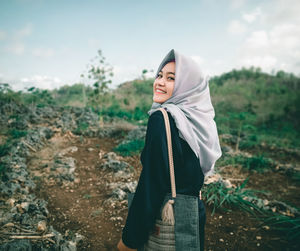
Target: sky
[{"x": 48, "y": 44}]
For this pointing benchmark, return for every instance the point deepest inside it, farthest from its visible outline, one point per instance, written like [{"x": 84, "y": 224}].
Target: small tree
[
  {"x": 100, "y": 73},
  {"x": 240, "y": 122},
  {"x": 83, "y": 90}
]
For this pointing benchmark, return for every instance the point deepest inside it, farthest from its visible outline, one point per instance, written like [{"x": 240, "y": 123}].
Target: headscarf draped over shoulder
[{"x": 190, "y": 106}]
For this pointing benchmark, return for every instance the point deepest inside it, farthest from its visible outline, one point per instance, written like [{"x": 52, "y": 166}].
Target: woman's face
[{"x": 164, "y": 83}]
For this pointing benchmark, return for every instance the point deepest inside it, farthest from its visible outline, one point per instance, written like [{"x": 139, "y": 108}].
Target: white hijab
[{"x": 190, "y": 106}]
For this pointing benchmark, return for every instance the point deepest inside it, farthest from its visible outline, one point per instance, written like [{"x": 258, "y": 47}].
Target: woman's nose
[{"x": 161, "y": 81}]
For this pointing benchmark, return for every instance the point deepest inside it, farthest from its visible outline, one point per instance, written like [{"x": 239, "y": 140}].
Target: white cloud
[
  {"x": 2, "y": 35},
  {"x": 236, "y": 27},
  {"x": 256, "y": 51},
  {"x": 43, "y": 52},
  {"x": 16, "y": 45},
  {"x": 123, "y": 73},
  {"x": 252, "y": 16},
  {"x": 276, "y": 44},
  {"x": 282, "y": 11},
  {"x": 38, "y": 81},
  {"x": 207, "y": 68},
  {"x": 24, "y": 32},
  {"x": 267, "y": 62},
  {"x": 199, "y": 60},
  {"x": 94, "y": 43},
  {"x": 42, "y": 82},
  {"x": 278, "y": 48},
  {"x": 218, "y": 61},
  {"x": 16, "y": 48},
  {"x": 235, "y": 4},
  {"x": 257, "y": 40},
  {"x": 286, "y": 36}
]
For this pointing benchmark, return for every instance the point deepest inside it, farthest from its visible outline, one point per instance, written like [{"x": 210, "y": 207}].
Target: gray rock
[
  {"x": 17, "y": 245},
  {"x": 65, "y": 151},
  {"x": 64, "y": 168},
  {"x": 137, "y": 133},
  {"x": 112, "y": 163},
  {"x": 119, "y": 194},
  {"x": 66, "y": 122},
  {"x": 120, "y": 189},
  {"x": 227, "y": 149}
]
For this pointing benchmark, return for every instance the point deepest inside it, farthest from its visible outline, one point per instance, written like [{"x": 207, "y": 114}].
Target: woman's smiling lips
[{"x": 160, "y": 91}]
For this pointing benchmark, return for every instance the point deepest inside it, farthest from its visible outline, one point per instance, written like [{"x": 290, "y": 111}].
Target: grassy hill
[{"x": 249, "y": 104}]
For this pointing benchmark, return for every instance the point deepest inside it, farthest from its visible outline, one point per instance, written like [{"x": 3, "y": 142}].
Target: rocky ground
[{"x": 65, "y": 188}]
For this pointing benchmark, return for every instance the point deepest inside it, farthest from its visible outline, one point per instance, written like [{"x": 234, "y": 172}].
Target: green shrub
[
  {"x": 220, "y": 196},
  {"x": 249, "y": 141},
  {"x": 288, "y": 226},
  {"x": 15, "y": 134},
  {"x": 130, "y": 147},
  {"x": 258, "y": 163},
  {"x": 81, "y": 127},
  {"x": 116, "y": 111},
  {"x": 295, "y": 176},
  {"x": 39, "y": 97},
  {"x": 4, "y": 148},
  {"x": 87, "y": 196},
  {"x": 139, "y": 114},
  {"x": 2, "y": 170},
  {"x": 126, "y": 101}
]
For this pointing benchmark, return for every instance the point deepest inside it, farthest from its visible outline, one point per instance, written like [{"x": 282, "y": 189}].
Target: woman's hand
[{"x": 122, "y": 247}]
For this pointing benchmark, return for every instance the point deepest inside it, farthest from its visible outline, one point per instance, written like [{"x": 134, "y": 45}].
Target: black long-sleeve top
[{"x": 154, "y": 182}]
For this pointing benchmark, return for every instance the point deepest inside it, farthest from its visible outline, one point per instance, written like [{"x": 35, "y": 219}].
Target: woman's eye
[{"x": 160, "y": 76}]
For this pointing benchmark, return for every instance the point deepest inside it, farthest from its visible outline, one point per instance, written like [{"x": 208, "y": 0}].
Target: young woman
[{"x": 182, "y": 90}]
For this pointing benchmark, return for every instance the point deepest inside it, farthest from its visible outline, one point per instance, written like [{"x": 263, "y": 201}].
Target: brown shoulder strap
[{"x": 170, "y": 152}]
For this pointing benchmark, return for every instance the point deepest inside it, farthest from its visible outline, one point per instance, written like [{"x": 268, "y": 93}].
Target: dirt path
[{"x": 81, "y": 206}]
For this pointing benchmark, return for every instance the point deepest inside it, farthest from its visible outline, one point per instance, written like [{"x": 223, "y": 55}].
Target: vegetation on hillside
[{"x": 253, "y": 106}]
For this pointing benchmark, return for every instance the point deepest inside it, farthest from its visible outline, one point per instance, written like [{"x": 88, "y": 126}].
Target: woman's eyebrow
[{"x": 168, "y": 72}]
